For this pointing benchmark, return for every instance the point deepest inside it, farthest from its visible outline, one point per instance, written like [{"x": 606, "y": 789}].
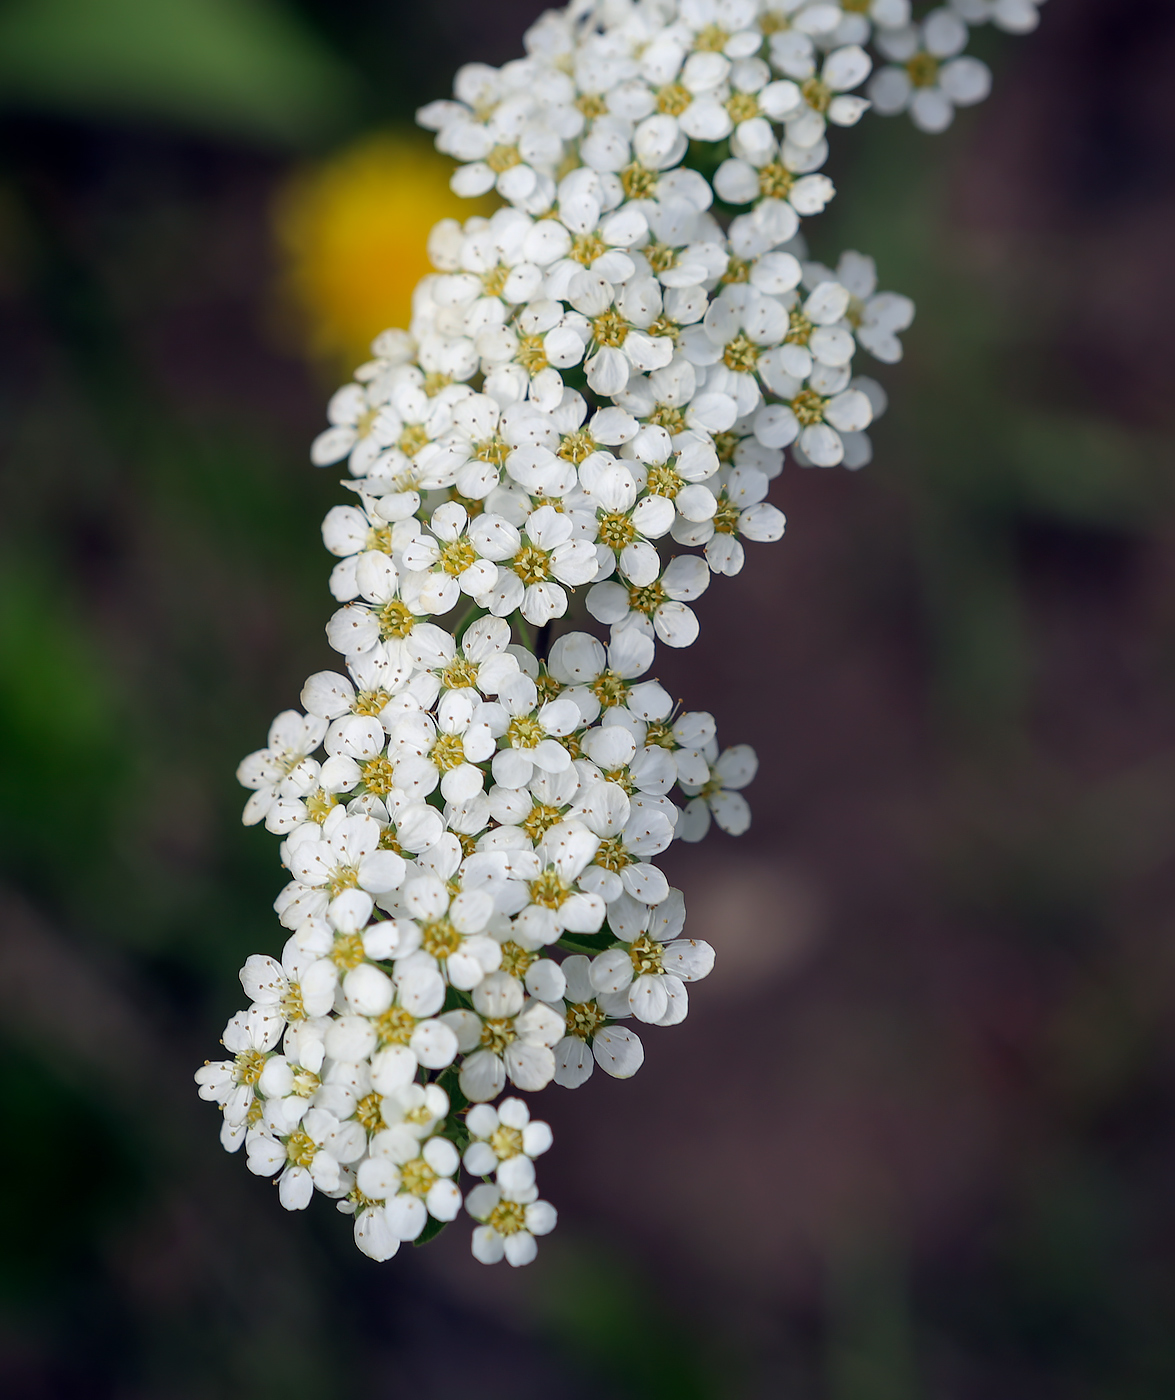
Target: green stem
[{"x": 523, "y": 630}]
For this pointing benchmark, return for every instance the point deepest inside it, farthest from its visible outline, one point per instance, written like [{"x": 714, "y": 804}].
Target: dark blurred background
[{"x": 916, "y": 1140}]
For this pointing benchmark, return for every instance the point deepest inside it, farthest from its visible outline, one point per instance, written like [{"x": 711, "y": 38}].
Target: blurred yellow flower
[{"x": 352, "y": 231}]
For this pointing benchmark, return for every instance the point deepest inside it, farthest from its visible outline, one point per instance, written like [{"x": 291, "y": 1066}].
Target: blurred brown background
[{"x": 916, "y": 1140}]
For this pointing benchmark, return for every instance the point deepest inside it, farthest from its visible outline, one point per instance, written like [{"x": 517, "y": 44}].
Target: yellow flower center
[
  {"x": 493, "y": 449},
  {"x": 542, "y": 818},
  {"x": 507, "y": 1217},
  {"x": 663, "y": 326},
  {"x": 439, "y": 938},
  {"x": 610, "y": 328},
  {"x": 612, "y": 855},
  {"x": 346, "y": 878},
  {"x": 737, "y": 270},
  {"x": 417, "y": 1177},
  {"x": 660, "y": 736},
  {"x": 412, "y": 439},
  {"x": 396, "y": 619},
  {"x": 459, "y": 674},
  {"x": 660, "y": 256},
  {"x": 300, "y": 1148},
  {"x": 435, "y": 381},
  {"x": 646, "y": 955},
  {"x": 379, "y": 537},
  {"x": 494, "y": 281},
  {"x": 673, "y": 99},
  {"x": 448, "y": 752},
  {"x": 292, "y": 1006},
  {"x": 726, "y": 517},
  {"x": 664, "y": 481},
  {"x": 742, "y": 107},
  {"x": 923, "y": 70},
  {"x": 666, "y": 416},
  {"x": 506, "y": 1142},
  {"x": 712, "y": 39},
  {"x": 367, "y": 1110},
  {"x": 808, "y": 407},
  {"x": 516, "y": 960},
  {"x": 348, "y": 951},
  {"x": 496, "y": 1033},
  {"x": 550, "y": 889},
  {"x": 394, "y": 1026},
  {"x": 319, "y": 804},
  {"x": 799, "y": 328},
  {"x": 532, "y": 564},
  {"x": 370, "y": 703},
  {"x": 247, "y": 1067},
  {"x": 775, "y": 181},
  {"x": 647, "y": 599},
  {"x": 378, "y": 776},
  {"x": 577, "y": 446},
  {"x": 816, "y": 94},
  {"x": 457, "y": 556},
  {"x": 725, "y": 444},
  {"x": 586, "y": 248},
  {"x": 525, "y": 732},
  {"x": 503, "y": 158},
  {"x": 616, "y": 530},
  {"x": 609, "y": 689},
  {"x": 741, "y": 355},
  {"x": 592, "y": 105},
  {"x": 584, "y": 1019},
  {"x": 638, "y": 183},
  {"x": 531, "y": 355}
]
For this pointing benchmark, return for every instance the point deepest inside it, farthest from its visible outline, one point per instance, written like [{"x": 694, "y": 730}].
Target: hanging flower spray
[{"x": 597, "y": 388}]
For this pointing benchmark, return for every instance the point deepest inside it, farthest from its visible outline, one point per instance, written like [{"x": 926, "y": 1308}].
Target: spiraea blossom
[{"x": 582, "y": 425}]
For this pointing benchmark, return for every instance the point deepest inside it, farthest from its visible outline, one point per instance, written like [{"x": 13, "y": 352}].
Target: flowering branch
[{"x": 609, "y": 367}]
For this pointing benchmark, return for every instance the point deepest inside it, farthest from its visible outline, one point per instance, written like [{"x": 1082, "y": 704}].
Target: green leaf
[
  {"x": 243, "y": 68},
  {"x": 432, "y": 1229}
]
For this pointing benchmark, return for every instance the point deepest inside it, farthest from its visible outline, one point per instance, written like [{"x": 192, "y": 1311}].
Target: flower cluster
[{"x": 583, "y": 420}]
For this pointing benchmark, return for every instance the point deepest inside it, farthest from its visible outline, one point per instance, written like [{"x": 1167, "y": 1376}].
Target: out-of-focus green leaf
[{"x": 239, "y": 67}]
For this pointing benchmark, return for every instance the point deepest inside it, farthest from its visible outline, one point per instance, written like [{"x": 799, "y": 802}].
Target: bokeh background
[{"x": 916, "y": 1140}]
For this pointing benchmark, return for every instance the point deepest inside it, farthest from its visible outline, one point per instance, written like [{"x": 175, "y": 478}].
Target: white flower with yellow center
[
  {"x": 284, "y": 767},
  {"x": 532, "y": 732},
  {"x": 483, "y": 665},
  {"x": 505, "y": 1140},
  {"x": 446, "y": 750},
  {"x": 366, "y": 690},
  {"x": 782, "y": 188},
  {"x": 451, "y": 930},
  {"x": 514, "y": 1042},
  {"x": 875, "y": 317},
  {"x": 669, "y": 398},
  {"x": 600, "y": 678},
  {"x": 511, "y": 1218},
  {"x": 588, "y": 1040},
  {"x": 392, "y": 1022},
  {"x": 557, "y": 904},
  {"x": 412, "y": 1180},
  {"x": 721, "y": 794},
  {"x": 926, "y": 76},
  {"x": 381, "y": 523},
  {"x": 740, "y": 511},
  {"x": 652, "y": 968},
  {"x": 622, "y": 328},
  {"x": 309, "y": 1158},
  {"x": 536, "y": 564},
  {"x": 343, "y": 854},
  {"x": 249, "y": 1037},
  {"x": 356, "y": 430},
  {"x": 625, "y": 527},
  {"x": 449, "y": 558},
  {"x": 300, "y": 987},
  {"x": 659, "y": 609},
  {"x": 627, "y": 837},
  {"x": 826, "y": 97}
]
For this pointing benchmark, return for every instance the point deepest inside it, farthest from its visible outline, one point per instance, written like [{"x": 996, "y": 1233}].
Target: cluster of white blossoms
[{"x": 582, "y": 422}]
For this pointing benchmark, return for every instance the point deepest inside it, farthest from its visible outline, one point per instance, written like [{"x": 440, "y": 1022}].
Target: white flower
[
  {"x": 283, "y": 768},
  {"x": 925, "y": 77},
  {"x": 588, "y": 1039},
  {"x": 720, "y": 794},
  {"x": 556, "y": 906},
  {"x": 813, "y": 418},
  {"x": 511, "y": 1220},
  {"x": 876, "y": 317},
  {"x": 412, "y": 1181},
  {"x": 619, "y": 320},
  {"x": 516, "y": 1040},
  {"x": 530, "y": 732},
  {"x": 449, "y": 556},
  {"x": 657, "y": 609},
  {"x": 504, "y": 1140},
  {"x": 654, "y": 966},
  {"x": 739, "y": 510},
  {"x": 307, "y": 1158},
  {"x": 344, "y": 855},
  {"x": 826, "y": 98},
  {"x": 602, "y": 678},
  {"x": 446, "y": 750},
  {"x": 532, "y": 572},
  {"x": 451, "y": 931}
]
